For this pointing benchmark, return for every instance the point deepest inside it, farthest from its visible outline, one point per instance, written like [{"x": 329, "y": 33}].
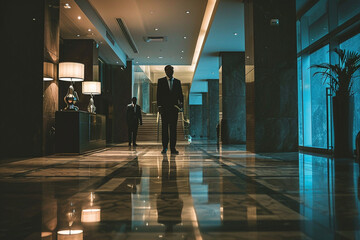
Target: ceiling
[
  {"x": 227, "y": 34},
  {"x": 170, "y": 17}
]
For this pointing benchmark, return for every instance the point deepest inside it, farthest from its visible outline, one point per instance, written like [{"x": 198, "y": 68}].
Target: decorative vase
[{"x": 343, "y": 112}]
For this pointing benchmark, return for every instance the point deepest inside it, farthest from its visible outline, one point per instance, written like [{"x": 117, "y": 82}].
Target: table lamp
[
  {"x": 91, "y": 88},
  {"x": 71, "y": 72}
]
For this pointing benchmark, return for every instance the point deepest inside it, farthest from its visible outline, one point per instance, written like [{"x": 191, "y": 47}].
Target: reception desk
[{"x": 79, "y": 132}]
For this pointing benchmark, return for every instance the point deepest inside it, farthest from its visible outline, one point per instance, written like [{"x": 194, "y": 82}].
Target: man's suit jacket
[
  {"x": 133, "y": 117},
  {"x": 167, "y": 98}
]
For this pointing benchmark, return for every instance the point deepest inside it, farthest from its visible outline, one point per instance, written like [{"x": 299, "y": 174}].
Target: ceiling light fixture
[
  {"x": 89, "y": 30},
  {"x": 182, "y": 51},
  {"x": 117, "y": 62},
  {"x": 79, "y": 17},
  {"x": 147, "y": 57},
  {"x": 67, "y": 5},
  {"x": 185, "y": 37},
  {"x": 236, "y": 34},
  {"x": 78, "y": 35},
  {"x": 187, "y": 12},
  {"x": 160, "y": 57},
  {"x": 156, "y": 29}
]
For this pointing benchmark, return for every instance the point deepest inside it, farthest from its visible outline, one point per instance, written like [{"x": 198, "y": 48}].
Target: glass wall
[
  {"x": 320, "y": 29},
  {"x": 353, "y": 44}
]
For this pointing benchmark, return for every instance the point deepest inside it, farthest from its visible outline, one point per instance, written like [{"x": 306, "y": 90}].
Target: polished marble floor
[{"x": 205, "y": 192}]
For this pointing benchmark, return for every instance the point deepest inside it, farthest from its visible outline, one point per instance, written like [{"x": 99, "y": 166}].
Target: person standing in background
[{"x": 133, "y": 118}]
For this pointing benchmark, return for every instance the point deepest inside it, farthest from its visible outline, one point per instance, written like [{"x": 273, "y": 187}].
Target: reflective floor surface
[{"x": 205, "y": 192}]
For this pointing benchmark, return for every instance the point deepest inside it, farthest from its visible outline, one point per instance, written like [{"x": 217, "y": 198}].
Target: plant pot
[{"x": 343, "y": 112}]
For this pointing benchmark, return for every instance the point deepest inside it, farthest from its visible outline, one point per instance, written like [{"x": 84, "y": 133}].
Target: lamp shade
[
  {"x": 91, "y": 87},
  {"x": 46, "y": 236},
  {"x": 48, "y": 74},
  {"x": 71, "y": 71},
  {"x": 90, "y": 215},
  {"x": 70, "y": 235}
]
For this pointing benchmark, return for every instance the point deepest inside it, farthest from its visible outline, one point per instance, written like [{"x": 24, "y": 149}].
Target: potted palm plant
[{"x": 341, "y": 77}]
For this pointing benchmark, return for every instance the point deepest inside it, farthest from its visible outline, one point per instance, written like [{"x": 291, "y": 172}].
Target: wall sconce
[
  {"x": 48, "y": 72},
  {"x": 91, "y": 88},
  {"x": 71, "y": 72}
]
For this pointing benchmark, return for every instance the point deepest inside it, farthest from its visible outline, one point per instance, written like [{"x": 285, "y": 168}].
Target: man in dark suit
[
  {"x": 133, "y": 117},
  {"x": 169, "y": 100}
]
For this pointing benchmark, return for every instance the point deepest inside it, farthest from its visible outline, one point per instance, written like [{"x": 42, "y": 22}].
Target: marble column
[
  {"x": 213, "y": 110},
  {"x": 233, "y": 97},
  {"x": 195, "y": 121},
  {"x": 51, "y": 88},
  {"x": 146, "y": 96},
  {"x": 205, "y": 116},
  {"x": 271, "y": 81},
  {"x": 121, "y": 87}
]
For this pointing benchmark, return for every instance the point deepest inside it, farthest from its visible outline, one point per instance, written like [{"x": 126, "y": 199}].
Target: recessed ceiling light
[
  {"x": 89, "y": 30},
  {"x": 117, "y": 62},
  {"x": 181, "y": 57},
  {"x": 235, "y": 34},
  {"x": 185, "y": 37},
  {"x": 67, "y": 5},
  {"x": 34, "y": 19},
  {"x": 79, "y": 17},
  {"x": 147, "y": 57},
  {"x": 160, "y": 57},
  {"x": 137, "y": 62},
  {"x": 187, "y": 12},
  {"x": 182, "y": 51},
  {"x": 78, "y": 35},
  {"x": 156, "y": 29}
]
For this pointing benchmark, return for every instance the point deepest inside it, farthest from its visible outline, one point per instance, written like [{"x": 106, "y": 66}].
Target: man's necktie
[{"x": 171, "y": 84}]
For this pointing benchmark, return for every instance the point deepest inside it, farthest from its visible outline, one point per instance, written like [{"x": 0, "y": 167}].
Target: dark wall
[
  {"x": 81, "y": 51},
  {"x": 21, "y": 125}
]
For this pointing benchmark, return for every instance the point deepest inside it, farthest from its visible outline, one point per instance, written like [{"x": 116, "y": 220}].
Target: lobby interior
[{"x": 258, "y": 155}]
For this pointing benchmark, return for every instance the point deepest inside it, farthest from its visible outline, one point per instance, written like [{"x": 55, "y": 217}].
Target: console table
[{"x": 78, "y": 131}]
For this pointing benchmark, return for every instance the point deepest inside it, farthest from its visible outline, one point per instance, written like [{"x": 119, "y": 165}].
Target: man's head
[
  {"x": 169, "y": 70},
  {"x": 133, "y": 100}
]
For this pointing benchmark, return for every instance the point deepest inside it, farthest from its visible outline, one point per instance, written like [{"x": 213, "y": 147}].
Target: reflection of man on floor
[{"x": 169, "y": 205}]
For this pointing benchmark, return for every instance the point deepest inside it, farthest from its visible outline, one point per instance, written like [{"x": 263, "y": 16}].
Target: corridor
[{"x": 205, "y": 192}]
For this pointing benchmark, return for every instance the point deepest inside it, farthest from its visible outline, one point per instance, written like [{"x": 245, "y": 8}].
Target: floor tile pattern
[{"x": 205, "y": 192}]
